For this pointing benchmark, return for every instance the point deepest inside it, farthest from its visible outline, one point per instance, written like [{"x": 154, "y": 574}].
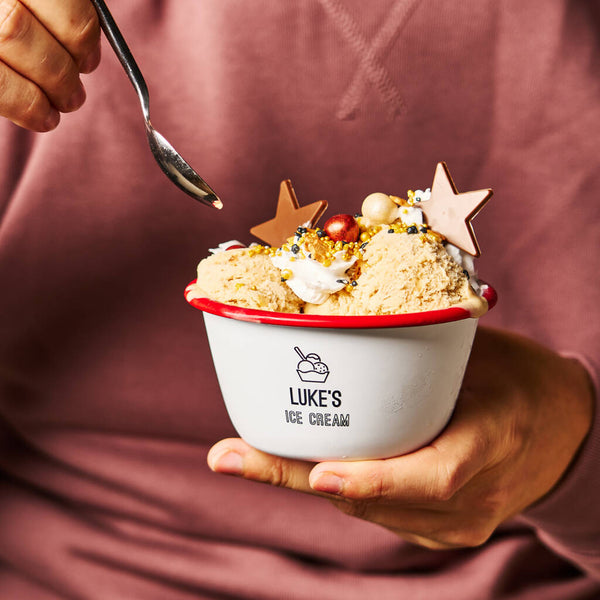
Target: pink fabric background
[{"x": 107, "y": 393}]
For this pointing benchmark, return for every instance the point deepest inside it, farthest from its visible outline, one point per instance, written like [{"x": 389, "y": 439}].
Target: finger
[
  {"x": 28, "y": 48},
  {"x": 78, "y": 29},
  {"x": 18, "y": 92},
  {"x": 233, "y": 456},
  {"x": 433, "y": 474},
  {"x": 435, "y": 529},
  {"x": 417, "y": 526},
  {"x": 412, "y": 478}
]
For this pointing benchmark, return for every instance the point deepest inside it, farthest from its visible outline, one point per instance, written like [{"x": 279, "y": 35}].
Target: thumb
[
  {"x": 233, "y": 456},
  {"x": 432, "y": 474}
]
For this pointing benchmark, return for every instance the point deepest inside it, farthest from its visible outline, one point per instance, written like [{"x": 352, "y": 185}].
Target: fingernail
[
  {"x": 329, "y": 483},
  {"x": 230, "y": 463}
]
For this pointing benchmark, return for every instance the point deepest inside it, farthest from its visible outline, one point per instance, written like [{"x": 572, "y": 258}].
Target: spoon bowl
[{"x": 178, "y": 170}]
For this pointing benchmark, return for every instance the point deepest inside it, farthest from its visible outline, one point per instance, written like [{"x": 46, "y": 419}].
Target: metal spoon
[{"x": 170, "y": 161}]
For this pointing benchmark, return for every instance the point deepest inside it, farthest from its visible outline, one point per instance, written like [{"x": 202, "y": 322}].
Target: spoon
[{"x": 170, "y": 161}]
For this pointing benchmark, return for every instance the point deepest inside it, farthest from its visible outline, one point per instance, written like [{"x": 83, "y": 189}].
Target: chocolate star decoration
[
  {"x": 288, "y": 217},
  {"x": 450, "y": 213}
]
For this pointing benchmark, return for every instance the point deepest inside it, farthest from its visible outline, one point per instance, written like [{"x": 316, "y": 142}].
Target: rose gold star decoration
[
  {"x": 288, "y": 217},
  {"x": 450, "y": 213}
]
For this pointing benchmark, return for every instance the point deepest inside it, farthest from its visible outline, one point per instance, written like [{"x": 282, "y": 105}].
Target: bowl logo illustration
[{"x": 311, "y": 369}]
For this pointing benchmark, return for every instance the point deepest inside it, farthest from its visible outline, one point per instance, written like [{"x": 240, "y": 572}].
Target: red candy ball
[{"x": 342, "y": 228}]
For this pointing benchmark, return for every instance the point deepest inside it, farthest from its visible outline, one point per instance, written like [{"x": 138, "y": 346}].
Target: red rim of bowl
[{"x": 445, "y": 315}]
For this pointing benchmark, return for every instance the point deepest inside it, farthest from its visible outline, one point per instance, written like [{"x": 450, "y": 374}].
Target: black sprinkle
[
  {"x": 344, "y": 281},
  {"x": 301, "y": 230},
  {"x": 363, "y": 245},
  {"x": 412, "y": 229},
  {"x": 295, "y": 248},
  {"x": 354, "y": 284},
  {"x": 283, "y": 279},
  {"x": 423, "y": 229},
  {"x": 466, "y": 273},
  {"x": 321, "y": 233},
  {"x": 356, "y": 215},
  {"x": 390, "y": 231}
]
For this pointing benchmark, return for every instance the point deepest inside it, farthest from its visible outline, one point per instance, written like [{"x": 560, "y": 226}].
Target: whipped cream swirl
[{"x": 311, "y": 280}]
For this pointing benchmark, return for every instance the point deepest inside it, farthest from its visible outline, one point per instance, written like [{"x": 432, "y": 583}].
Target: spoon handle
[{"x": 119, "y": 45}]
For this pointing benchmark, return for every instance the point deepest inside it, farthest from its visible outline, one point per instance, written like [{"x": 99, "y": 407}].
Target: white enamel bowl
[{"x": 339, "y": 388}]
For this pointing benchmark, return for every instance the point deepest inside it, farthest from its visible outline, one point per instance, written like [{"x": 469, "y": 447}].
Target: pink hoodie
[{"x": 108, "y": 397}]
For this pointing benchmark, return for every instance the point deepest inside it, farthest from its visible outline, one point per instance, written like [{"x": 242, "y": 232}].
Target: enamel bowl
[{"x": 318, "y": 387}]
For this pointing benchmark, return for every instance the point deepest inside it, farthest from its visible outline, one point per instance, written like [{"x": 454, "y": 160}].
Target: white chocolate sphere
[{"x": 379, "y": 209}]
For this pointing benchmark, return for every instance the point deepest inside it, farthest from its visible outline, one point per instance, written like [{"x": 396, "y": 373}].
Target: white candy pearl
[{"x": 379, "y": 209}]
